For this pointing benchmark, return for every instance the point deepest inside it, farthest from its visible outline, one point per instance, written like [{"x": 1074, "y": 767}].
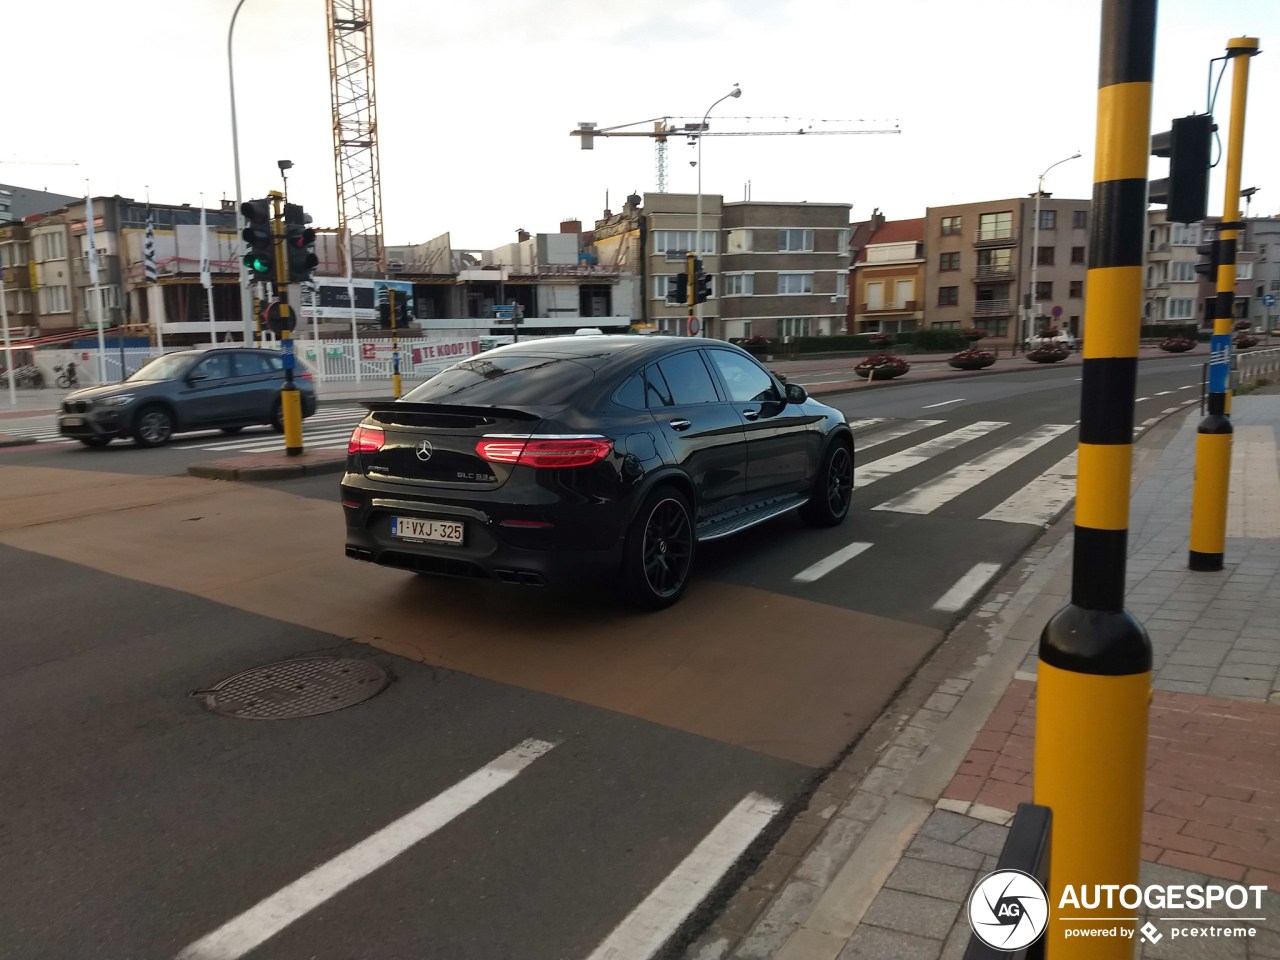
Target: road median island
[{"x": 270, "y": 466}]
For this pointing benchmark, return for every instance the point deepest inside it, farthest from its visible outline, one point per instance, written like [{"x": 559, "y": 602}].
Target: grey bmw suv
[{"x": 193, "y": 390}]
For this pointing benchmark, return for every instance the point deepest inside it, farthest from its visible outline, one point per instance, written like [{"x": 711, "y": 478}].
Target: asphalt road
[{"x": 137, "y": 822}]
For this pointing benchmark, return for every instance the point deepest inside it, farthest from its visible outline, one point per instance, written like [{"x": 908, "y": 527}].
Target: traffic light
[
  {"x": 701, "y": 283},
  {"x": 384, "y": 313},
  {"x": 271, "y": 319},
  {"x": 260, "y": 258},
  {"x": 402, "y": 311},
  {"x": 678, "y": 292},
  {"x": 1188, "y": 146},
  {"x": 1209, "y": 269},
  {"x": 299, "y": 244}
]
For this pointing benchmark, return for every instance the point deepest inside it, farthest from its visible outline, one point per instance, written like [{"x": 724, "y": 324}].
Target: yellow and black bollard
[
  {"x": 1095, "y": 659},
  {"x": 290, "y": 398},
  {"x": 395, "y": 345},
  {"x": 1214, "y": 436}
]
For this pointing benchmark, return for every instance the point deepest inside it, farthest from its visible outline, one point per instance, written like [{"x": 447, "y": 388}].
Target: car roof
[{"x": 603, "y": 350}]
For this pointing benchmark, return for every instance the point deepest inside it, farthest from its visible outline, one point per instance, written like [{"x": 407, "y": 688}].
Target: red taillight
[
  {"x": 307, "y": 377},
  {"x": 545, "y": 451},
  {"x": 366, "y": 439}
]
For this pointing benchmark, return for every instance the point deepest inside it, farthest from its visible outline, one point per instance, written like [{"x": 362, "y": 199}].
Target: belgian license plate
[
  {"x": 73, "y": 421},
  {"x": 432, "y": 531}
]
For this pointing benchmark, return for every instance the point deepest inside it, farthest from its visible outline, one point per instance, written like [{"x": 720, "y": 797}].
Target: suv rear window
[{"x": 505, "y": 379}]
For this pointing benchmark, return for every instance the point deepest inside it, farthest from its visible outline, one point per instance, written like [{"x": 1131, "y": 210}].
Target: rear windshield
[{"x": 505, "y": 380}]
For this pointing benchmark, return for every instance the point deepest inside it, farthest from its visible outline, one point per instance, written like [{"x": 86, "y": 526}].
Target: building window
[
  {"x": 795, "y": 241},
  {"x": 1079, "y": 219},
  {"x": 904, "y": 292},
  {"x": 946, "y": 325},
  {"x": 663, "y": 285},
  {"x": 1185, "y": 234},
  {"x": 949, "y": 261},
  {"x": 842, "y": 240},
  {"x": 995, "y": 226},
  {"x": 999, "y": 260},
  {"x": 1179, "y": 308},
  {"x": 1244, "y": 269},
  {"x": 18, "y": 301},
  {"x": 993, "y": 328},
  {"x": 1077, "y": 289},
  {"x": 737, "y": 285},
  {"x": 948, "y": 296},
  {"x": 1048, "y": 219},
  {"x": 1044, "y": 290},
  {"x": 738, "y": 241},
  {"x": 1183, "y": 271},
  {"x": 875, "y": 296},
  {"x": 842, "y": 284},
  {"x": 1077, "y": 253},
  {"x": 794, "y": 327},
  {"x": 53, "y": 246},
  {"x": 1044, "y": 255},
  {"x": 54, "y": 300},
  {"x": 950, "y": 226},
  {"x": 746, "y": 329},
  {"x": 681, "y": 241},
  {"x": 793, "y": 283},
  {"x": 13, "y": 254}
]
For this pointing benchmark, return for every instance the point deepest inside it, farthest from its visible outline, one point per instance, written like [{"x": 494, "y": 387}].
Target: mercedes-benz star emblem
[{"x": 424, "y": 450}]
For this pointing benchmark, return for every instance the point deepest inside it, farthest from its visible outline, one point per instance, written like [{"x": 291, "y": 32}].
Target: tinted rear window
[
  {"x": 495, "y": 381},
  {"x": 688, "y": 379}
]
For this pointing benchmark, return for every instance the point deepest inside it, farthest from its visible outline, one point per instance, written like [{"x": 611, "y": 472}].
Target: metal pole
[
  {"x": 351, "y": 301},
  {"x": 290, "y": 398},
  {"x": 1094, "y": 676},
  {"x": 1214, "y": 435},
  {"x": 246, "y": 296},
  {"x": 697, "y": 233},
  {"x": 8, "y": 345},
  {"x": 1035, "y": 261}
]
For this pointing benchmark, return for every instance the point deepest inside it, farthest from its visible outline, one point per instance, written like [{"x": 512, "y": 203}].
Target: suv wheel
[
  {"x": 659, "y": 550},
  {"x": 152, "y": 427},
  {"x": 277, "y": 417},
  {"x": 832, "y": 488}
]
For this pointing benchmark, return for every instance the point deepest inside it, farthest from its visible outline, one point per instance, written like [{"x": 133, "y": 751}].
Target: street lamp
[
  {"x": 246, "y": 299},
  {"x": 697, "y": 235},
  {"x": 1035, "y": 244}
]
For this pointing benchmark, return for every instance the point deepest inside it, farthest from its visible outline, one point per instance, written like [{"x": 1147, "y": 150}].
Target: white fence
[{"x": 1254, "y": 365}]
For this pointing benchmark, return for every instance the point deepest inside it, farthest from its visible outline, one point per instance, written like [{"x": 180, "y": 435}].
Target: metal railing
[
  {"x": 995, "y": 237},
  {"x": 1250, "y": 367},
  {"x": 993, "y": 308},
  {"x": 907, "y": 306},
  {"x": 984, "y": 273}
]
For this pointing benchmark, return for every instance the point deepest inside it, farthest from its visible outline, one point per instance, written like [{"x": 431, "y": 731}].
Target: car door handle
[
  {"x": 751, "y": 414},
  {"x": 680, "y": 424}
]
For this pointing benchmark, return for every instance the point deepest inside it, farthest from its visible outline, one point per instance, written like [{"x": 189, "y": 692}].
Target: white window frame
[
  {"x": 738, "y": 240},
  {"x": 662, "y": 241},
  {"x": 1184, "y": 234},
  {"x": 55, "y": 298},
  {"x": 898, "y": 303},
  {"x": 1244, "y": 269},
  {"x": 662, "y": 284},
  {"x": 745, "y": 283},
  {"x": 746, "y": 329},
  {"x": 867, "y": 294},
  {"x": 1185, "y": 310},
  {"x": 794, "y": 327},
  {"x": 18, "y": 301},
  {"x": 53, "y": 246},
  {"x": 806, "y": 240},
  {"x": 808, "y": 275},
  {"x": 842, "y": 284},
  {"x": 1184, "y": 271}
]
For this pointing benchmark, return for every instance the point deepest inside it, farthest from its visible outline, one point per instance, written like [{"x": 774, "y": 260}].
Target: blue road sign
[{"x": 1268, "y": 299}]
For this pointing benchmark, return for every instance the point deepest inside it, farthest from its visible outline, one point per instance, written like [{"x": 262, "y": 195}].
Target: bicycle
[{"x": 66, "y": 379}]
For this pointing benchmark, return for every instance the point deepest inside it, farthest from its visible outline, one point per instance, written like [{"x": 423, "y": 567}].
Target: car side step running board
[{"x": 715, "y": 529}]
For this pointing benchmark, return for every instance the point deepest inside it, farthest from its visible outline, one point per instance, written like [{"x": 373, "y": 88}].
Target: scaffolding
[{"x": 355, "y": 132}]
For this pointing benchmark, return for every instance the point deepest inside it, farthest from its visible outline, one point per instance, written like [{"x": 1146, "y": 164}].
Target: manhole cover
[{"x": 296, "y": 688}]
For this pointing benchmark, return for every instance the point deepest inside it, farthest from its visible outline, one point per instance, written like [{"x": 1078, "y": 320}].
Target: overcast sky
[{"x": 476, "y": 100}]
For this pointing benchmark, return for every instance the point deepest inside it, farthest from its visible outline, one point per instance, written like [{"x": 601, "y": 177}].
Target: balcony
[
  {"x": 998, "y": 274},
  {"x": 996, "y": 237},
  {"x": 907, "y": 306},
  {"x": 993, "y": 308}
]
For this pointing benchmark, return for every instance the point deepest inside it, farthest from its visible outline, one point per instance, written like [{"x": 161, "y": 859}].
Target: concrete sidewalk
[{"x": 891, "y": 844}]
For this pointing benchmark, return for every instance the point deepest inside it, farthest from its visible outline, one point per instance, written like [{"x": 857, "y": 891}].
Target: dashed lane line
[
  {"x": 966, "y": 587},
  {"x": 827, "y": 564}
]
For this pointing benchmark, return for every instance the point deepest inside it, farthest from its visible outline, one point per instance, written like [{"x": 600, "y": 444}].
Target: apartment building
[
  {"x": 19, "y": 272},
  {"x": 17, "y": 203},
  {"x": 1264, "y": 237},
  {"x": 784, "y": 271},
  {"x": 1173, "y": 292},
  {"x": 888, "y": 279},
  {"x": 670, "y": 221},
  {"x": 980, "y": 265}
]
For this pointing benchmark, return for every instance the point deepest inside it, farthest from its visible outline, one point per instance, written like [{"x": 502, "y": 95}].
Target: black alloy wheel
[
  {"x": 832, "y": 488},
  {"x": 660, "y": 550},
  {"x": 277, "y": 417},
  {"x": 153, "y": 427}
]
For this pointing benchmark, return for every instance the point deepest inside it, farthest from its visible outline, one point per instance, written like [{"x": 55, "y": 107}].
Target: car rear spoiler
[{"x": 454, "y": 409}]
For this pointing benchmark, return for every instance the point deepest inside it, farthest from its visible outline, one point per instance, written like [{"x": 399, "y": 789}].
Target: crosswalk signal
[
  {"x": 299, "y": 244},
  {"x": 701, "y": 284},
  {"x": 260, "y": 258},
  {"x": 678, "y": 292},
  {"x": 1188, "y": 146}
]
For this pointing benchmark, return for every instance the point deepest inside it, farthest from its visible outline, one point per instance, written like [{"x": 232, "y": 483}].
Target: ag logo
[
  {"x": 1008, "y": 910},
  {"x": 424, "y": 450}
]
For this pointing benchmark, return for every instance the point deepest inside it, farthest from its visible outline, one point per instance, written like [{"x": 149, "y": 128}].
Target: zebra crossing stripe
[
  {"x": 930, "y": 496},
  {"x": 1040, "y": 501},
  {"x": 894, "y": 432},
  {"x": 864, "y": 422},
  {"x": 910, "y": 457}
]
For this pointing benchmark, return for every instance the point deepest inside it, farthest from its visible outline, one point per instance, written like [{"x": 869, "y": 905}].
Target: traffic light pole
[
  {"x": 395, "y": 345},
  {"x": 290, "y": 399},
  {"x": 1094, "y": 677},
  {"x": 1214, "y": 436}
]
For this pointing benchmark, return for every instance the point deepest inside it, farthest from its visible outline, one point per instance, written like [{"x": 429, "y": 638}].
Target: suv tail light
[
  {"x": 366, "y": 439},
  {"x": 544, "y": 450}
]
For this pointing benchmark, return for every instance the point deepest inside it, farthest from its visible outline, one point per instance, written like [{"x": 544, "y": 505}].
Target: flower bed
[
  {"x": 972, "y": 359},
  {"x": 1177, "y": 345},
  {"x": 883, "y": 366},
  {"x": 1242, "y": 325},
  {"x": 1244, "y": 342},
  {"x": 880, "y": 341},
  {"x": 973, "y": 334},
  {"x": 1048, "y": 353}
]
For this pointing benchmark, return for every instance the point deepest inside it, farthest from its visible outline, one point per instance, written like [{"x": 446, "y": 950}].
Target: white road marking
[
  {"x": 931, "y": 495},
  {"x": 1150, "y": 420},
  {"x": 1189, "y": 386},
  {"x": 1040, "y": 500},
  {"x": 921, "y": 452},
  {"x": 1163, "y": 393},
  {"x": 864, "y": 422},
  {"x": 894, "y": 432},
  {"x": 1185, "y": 402},
  {"x": 930, "y": 406},
  {"x": 1169, "y": 410},
  {"x": 827, "y": 564},
  {"x": 649, "y": 926},
  {"x": 259, "y": 923},
  {"x": 964, "y": 588},
  {"x": 1140, "y": 399}
]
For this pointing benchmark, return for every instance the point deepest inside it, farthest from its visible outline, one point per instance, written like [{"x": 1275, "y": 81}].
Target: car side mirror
[{"x": 796, "y": 393}]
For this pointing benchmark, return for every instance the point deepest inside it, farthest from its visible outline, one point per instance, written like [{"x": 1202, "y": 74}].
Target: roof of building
[{"x": 894, "y": 231}]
